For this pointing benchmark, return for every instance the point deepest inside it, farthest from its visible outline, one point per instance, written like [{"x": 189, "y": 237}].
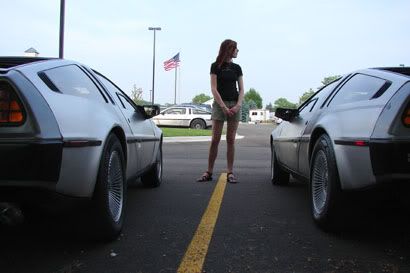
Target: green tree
[
  {"x": 284, "y": 103},
  {"x": 136, "y": 94},
  {"x": 201, "y": 98},
  {"x": 269, "y": 107},
  {"x": 306, "y": 96},
  {"x": 329, "y": 79},
  {"x": 252, "y": 105},
  {"x": 253, "y": 95},
  {"x": 245, "y": 111}
]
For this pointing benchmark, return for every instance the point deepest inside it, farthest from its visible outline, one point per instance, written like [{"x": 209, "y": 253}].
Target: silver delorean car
[
  {"x": 352, "y": 134},
  {"x": 68, "y": 130}
]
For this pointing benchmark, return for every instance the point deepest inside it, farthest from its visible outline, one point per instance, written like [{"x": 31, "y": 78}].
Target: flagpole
[{"x": 175, "y": 97}]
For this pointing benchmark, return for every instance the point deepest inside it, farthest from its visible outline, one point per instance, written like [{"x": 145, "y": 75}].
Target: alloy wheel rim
[
  {"x": 320, "y": 181},
  {"x": 115, "y": 186}
]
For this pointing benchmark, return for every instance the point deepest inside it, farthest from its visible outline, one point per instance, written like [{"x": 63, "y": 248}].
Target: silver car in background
[
  {"x": 352, "y": 134},
  {"x": 184, "y": 116},
  {"x": 68, "y": 131}
]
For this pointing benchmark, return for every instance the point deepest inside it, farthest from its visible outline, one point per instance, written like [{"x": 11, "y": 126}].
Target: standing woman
[{"x": 227, "y": 89}]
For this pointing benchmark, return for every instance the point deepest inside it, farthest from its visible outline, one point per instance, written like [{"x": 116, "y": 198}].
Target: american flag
[{"x": 172, "y": 63}]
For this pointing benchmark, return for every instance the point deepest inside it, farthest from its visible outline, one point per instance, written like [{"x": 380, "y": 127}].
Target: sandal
[
  {"x": 207, "y": 176},
  {"x": 230, "y": 178}
]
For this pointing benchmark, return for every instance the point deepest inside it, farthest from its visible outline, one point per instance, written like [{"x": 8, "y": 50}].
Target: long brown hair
[{"x": 225, "y": 52}]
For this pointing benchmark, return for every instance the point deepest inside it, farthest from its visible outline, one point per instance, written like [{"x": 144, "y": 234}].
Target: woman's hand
[
  {"x": 227, "y": 111},
  {"x": 235, "y": 109}
]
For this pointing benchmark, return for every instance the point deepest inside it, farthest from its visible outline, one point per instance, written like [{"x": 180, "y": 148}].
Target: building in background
[
  {"x": 31, "y": 52},
  {"x": 259, "y": 115}
]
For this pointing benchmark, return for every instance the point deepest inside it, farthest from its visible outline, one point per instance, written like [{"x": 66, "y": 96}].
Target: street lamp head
[{"x": 154, "y": 28}]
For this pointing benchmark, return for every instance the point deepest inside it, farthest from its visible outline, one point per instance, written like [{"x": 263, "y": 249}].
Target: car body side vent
[
  {"x": 382, "y": 89},
  {"x": 48, "y": 82}
]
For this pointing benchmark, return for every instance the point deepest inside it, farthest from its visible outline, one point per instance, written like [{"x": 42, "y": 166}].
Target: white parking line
[{"x": 195, "y": 139}]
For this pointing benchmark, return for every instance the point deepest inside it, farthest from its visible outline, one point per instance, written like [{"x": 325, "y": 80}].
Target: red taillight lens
[
  {"x": 360, "y": 143},
  {"x": 406, "y": 116},
  {"x": 11, "y": 110}
]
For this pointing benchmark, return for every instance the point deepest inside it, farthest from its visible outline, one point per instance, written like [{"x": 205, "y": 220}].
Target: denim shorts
[{"x": 218, "y": 114}]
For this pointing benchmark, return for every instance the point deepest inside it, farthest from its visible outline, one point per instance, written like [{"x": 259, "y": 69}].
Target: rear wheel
[
  {"x": 325, "y": 192},
  {"x": 110, "y": 191},
  {"x": 278, "y": 175},
  {"x": 198, "y": 124},
  {"x": 153, "y": 177}
]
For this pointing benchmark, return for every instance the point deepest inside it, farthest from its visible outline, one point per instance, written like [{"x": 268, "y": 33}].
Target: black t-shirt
[{"x": 226, "y": 77}]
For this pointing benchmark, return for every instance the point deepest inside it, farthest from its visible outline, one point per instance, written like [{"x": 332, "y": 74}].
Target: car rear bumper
[
  {"x": 30, "y": 160},
  {"x": 65, "y": 167},
  {"x": 390, "y": 159},
  {"x": 373, "y": 162}
]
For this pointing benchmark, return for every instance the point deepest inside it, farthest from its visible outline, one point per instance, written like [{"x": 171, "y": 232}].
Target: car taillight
[
  {"x": 11, "y": 109},
  {"x": 406, "y": 116}
]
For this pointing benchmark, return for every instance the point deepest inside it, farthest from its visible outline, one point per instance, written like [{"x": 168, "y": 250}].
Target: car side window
[
  {"x": 358, "y": 88},
  {"x": 317, "y": 99},
  {"x": 125, "y": 103},
  {"x": 175, "y": 111},
  {"x": 199, "y": 112},
  {"x": 71, "y": 80},
  {"x": 308, "y": 106}
]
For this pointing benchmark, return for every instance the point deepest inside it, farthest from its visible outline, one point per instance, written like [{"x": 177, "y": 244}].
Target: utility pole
[
  {"x": 62, "y": 15},
  {"x": 153, "y": 64}
]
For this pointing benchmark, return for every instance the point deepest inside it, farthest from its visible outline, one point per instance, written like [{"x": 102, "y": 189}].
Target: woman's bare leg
[
  {"x": 217, "y": 126},
  {"x": 230, "y": 142}
]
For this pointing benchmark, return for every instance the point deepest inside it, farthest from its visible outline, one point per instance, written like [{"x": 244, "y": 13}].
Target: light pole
[
  {"x": 153, "y": 63},
  {"x": 61, "y": 45}
]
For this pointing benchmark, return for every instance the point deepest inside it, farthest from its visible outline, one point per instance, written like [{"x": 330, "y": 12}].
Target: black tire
[
  {"x": 278, "y": 175},
  {"x": 198, "y": 124},
  {"x": 325, "y": 191},
  {"x": 153, "y": 177},
  {"x": 110, "y": 191}
]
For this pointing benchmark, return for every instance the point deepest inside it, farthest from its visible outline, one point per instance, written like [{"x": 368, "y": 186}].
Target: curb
[{"x": 194, "y": 139}]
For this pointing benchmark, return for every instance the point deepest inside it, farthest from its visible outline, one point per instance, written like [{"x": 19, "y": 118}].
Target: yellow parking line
[{"x": 195, "y": 255}]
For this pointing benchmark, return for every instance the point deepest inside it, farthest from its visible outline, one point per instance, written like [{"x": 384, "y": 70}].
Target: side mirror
[
  {"x": 151, "y": 110},
  {"x": 286, "y": 113}
]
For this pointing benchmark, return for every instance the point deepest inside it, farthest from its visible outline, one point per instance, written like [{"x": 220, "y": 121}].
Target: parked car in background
[
  {"x": 206, "y": 107},
  {"x": 352, "y": 134},
  {"x": 68, "y": 131},
  {"x": 184, "y": 116}
]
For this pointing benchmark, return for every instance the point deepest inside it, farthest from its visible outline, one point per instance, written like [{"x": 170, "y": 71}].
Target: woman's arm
[
  {"x": 216, "y": 95},
  {"x": 240, "y": 97}
]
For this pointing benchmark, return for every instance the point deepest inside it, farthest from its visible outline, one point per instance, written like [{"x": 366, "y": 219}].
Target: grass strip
[{"x": 175, "y": 132}]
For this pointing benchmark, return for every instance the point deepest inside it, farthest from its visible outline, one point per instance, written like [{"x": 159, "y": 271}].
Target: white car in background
[{"x": 184, "y": 116}]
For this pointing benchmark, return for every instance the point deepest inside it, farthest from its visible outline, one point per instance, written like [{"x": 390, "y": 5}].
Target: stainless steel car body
[
  {"x": 359, "y": 130},
  {"x": 80, "y": 125},
  {"x": 183, "y": 116}
]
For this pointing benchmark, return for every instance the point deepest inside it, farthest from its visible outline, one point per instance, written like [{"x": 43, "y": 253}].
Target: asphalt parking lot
[{"x": 258, "y": 227}]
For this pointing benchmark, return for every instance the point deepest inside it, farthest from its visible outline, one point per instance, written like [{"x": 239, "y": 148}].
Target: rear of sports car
[
  {"x": 390, "y": 141},
  {"x": 45, "y": 146},
  {"x": 30, "y": 150}
]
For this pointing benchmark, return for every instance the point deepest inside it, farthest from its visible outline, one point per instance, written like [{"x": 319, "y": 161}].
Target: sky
[{"x": 285, "y": 47}]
